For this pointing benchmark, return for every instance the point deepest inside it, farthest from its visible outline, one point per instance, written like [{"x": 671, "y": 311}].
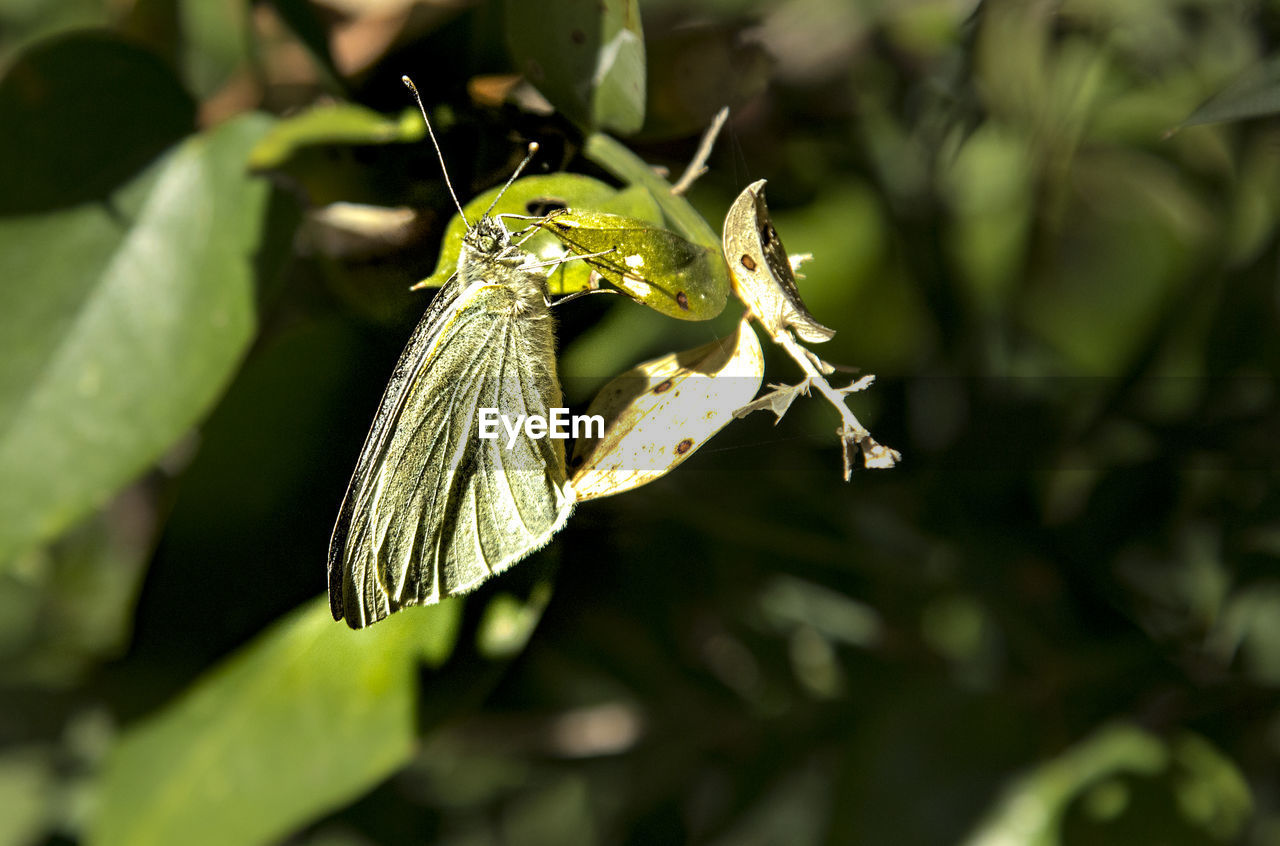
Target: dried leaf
[
  {"x": 660, "y": 412},
  {"x": 778, "y": 400},
  {"x": 877, "y": 456},
  {"x": 763, "y": 277},
  {"x": 857, "y": 385}
]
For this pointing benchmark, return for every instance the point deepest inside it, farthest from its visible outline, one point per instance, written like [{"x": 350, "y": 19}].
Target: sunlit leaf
[
  {"x": 652, "y": 265},
  {"x": 631, "y": 169},
  {"x": 128, "y": 322},
  {"x": 331, "y": 709},
  {"x": 585, "y": 56},
  {"x": 530, "y": 197},
  {"x": 764, "y": 279},
  {"x": 660, "y": 412},
  {"x": 634, "y": 201},
  {"x": 679, "y": 215},
  {"x": 761, "y": 270}
]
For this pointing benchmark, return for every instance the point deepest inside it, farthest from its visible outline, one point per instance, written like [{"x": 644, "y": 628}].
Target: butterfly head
[{"x": 488, "y": 236}]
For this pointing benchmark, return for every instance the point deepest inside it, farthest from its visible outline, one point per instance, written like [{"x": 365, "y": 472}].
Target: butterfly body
[{"x": 432, "y": 509}]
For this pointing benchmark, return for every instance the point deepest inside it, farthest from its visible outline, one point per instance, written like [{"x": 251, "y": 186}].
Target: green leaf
[
  {"x": 24, "y": 23},
  {"x": 334, "y": 123},
  {"x": 508, "y": 622},
  {"x": 529, "y": 196},
  {"x": 633, "y": 201},
  {"x": 68, "y": 607},
  {"x": 631, "y": 169},
  {"x": 127, "y": 323},
  {"x": 27, "y": 790},
  {"x": 83, "y": 113},
  {"x": 652, "y": 265},
  {"x": 334, "y": 711},
  {"x": 216, "y": 43},
  {"x": 585, "y": 56},
  {"x": 1103, "y": 771},
  {"x": 1255, "y": 94}
]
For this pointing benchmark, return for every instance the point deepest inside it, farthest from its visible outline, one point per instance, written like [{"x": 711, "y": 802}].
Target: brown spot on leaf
[
  {"x": 682, "y": 300},
  {"x": 577, "y": 36},
  {"x": 663, "y": 387},
  {"x": 684, "y": 446},
  {"x": 748, "y": 262}
]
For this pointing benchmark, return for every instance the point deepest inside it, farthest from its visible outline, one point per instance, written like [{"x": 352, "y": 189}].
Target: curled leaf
[
  {"x": 762, "y": 276},
  {"x": 764, "y": 279},
  {"x": 660, "y": 412}
]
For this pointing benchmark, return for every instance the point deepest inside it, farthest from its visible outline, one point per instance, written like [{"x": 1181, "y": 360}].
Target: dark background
[{"x": 1057, "y": 621}]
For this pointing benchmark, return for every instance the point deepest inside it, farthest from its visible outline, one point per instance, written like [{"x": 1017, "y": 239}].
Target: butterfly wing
[{"x": 432, "y": 509}]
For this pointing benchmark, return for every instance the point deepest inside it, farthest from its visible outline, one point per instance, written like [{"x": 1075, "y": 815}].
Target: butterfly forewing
[{"x": 432, "y": 509}]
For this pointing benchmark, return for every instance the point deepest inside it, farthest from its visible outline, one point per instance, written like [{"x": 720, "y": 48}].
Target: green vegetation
[{"x": 1051, "y": 229}]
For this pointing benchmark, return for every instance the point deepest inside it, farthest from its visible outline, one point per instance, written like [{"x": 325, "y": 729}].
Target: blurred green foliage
[{"x": 1049, "y": 228}]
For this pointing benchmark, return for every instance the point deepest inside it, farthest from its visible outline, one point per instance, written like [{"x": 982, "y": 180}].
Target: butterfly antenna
[
  {"x": 533, "y": 148},
  {"x": 414, "y": 89}
]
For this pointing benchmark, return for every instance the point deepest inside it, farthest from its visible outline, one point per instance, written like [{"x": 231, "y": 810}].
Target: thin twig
[
  {"x": 698, "y": 166},
  {"x": 797, "y": 352},
  {"x": 852, "y": 433}
]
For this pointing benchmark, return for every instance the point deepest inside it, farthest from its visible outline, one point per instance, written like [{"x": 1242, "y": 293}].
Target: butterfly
[{"x": 432, "y": 509}]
